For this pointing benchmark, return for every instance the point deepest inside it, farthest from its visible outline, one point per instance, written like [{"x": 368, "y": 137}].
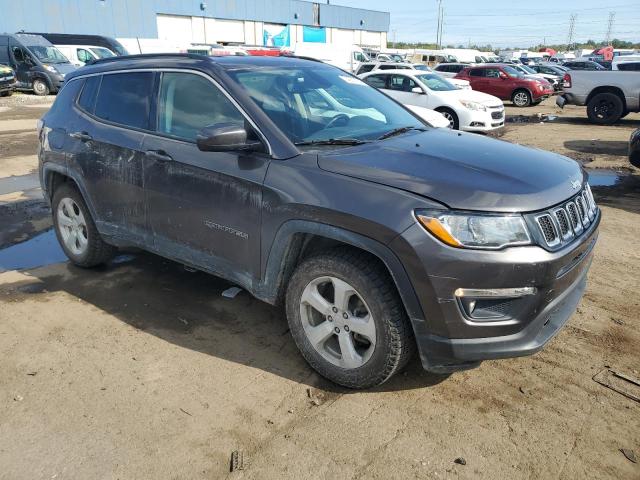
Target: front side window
[
  {"x": 189, "y": 102},
  {"x": 512, "y": 72},
  {"x": 401, "y": 83},
  {"x": 83, "y": 55},
  {"x": 102, "y": 52},
  {"x": 353, "y": 109},
  {"x": 125, "y": 98}
]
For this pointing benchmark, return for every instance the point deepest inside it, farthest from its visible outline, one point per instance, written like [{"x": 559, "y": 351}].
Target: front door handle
[
  {"x": 159, "y": 155},
  {"x": 82, "y": 136}
]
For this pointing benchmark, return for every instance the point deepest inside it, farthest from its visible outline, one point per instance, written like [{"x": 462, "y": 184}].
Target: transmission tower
[
  {"x": 572, "y": 27},
  {"x": 612, "y": 16},
  {"x": 439, "y": 27}
]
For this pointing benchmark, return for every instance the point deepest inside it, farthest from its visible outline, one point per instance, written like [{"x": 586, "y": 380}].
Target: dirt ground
[{"x": 142, "y": 369}]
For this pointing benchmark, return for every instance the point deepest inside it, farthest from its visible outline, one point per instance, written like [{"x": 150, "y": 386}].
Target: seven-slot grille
[{"x": 561, "y": 224}]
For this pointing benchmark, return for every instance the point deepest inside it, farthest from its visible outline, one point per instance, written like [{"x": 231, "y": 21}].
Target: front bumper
[
  {"x": 7, "y": 83},
  {"x": 477, "y": 121},
  {"x": 448, "y": 339}
]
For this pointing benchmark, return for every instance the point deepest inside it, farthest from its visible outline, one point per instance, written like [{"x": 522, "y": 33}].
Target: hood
[
  {"x": 473, "y": 96},
  {"x": 462, "y": 170},
  {"x": 64, "y": 68}
]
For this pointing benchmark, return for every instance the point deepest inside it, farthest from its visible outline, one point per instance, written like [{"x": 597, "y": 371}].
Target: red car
[{"x": 507, "y": 83}]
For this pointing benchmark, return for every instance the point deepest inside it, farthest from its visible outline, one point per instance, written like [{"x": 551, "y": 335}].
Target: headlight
[
  {"x": 51, "y": 68},
  {"x": 473, "y": 105},
  {"x": 470, "y": 230}
]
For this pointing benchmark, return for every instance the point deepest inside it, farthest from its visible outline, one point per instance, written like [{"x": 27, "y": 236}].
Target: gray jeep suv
[{"x": 308, "y": 188}]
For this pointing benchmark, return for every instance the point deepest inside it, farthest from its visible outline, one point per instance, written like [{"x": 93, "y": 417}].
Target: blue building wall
[{"x": 137, "y": 18}]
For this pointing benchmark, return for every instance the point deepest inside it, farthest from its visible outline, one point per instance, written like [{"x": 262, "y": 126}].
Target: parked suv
[
  {"x": 506, "y": 83},
  {"x": 377, "y": 233}
]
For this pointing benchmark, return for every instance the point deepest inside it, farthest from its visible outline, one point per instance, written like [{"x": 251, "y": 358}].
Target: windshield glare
[
  {"x": 102, "y": 52},
  {"x": 47, "y": 54},
  {"x": 435, "y": 82},
  {"x": 527, "y": 69},
  {"x": 320, "y": 103},
  {"x": 512, "y": 72}
]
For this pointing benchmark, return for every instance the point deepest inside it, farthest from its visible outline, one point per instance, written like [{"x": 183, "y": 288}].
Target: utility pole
[
  {"x": 393, "y": 34},
  {"x": 572, "y": 27},
  {"x": 439, "y": 27},
  {"x": 612, "y": 15}
]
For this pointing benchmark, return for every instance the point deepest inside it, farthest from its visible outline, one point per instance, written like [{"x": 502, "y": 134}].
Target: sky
[{"x": 505, "y": 23}]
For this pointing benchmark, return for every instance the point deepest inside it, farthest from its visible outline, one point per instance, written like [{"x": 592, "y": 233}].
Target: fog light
[
  {"x": 495, "y": 292},
  {"x": 495, "y": 304}
]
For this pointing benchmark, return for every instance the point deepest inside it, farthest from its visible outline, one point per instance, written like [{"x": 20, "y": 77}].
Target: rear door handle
[
  {"x": 159, "y": 155},
  {"x": 82, "y": 136}
]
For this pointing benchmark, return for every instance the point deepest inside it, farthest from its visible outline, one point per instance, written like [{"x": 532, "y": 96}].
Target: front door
[
  {"x": 401, "y": 88},
  {"x": 22, "y": 64},
  {"x": 204, "y": 207}
]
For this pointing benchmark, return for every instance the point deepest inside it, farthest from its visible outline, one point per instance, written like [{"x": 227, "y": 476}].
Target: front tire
[
  {"x": 454, "y": 123},
  {"x": 76, "y": 230},
  {"x": 347, "y": 319},
  {"x": 521, "y": 98},
  {"x": 40, "y": 87},
  {"x": 605, "y": 109}
]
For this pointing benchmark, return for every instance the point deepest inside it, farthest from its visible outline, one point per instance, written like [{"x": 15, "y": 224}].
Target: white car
[
  {"x": 79, "y": 55},
  {"x": 467, "y": 110},
  {"x": 377, "y": 66}
]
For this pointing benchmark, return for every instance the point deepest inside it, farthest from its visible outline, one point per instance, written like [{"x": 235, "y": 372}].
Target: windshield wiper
[
  {"x": 398, "y": 131},
  {"x": 332, "y": 141}
]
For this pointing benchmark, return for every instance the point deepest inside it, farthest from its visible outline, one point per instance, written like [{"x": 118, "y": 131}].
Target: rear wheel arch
[
  {"x": 608, "y": 89},
  {"x": 54, "y": 175},
  {"x": 298, "y": 240}
]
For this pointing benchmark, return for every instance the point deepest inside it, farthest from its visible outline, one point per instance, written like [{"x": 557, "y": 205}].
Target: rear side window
[
  {"x": 476, "y": 72},
  {"x": 377, "y": 81},
  {"x": 125, "y": 98},
  {"x": 189, "y": 102},
  {"x": 87, "y": 100},
  {"x": 629, "y": 66},
  {"x": 365, "y": 69}
]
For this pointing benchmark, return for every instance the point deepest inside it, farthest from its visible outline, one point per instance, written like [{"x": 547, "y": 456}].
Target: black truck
[{"x": 308, "y": 188}]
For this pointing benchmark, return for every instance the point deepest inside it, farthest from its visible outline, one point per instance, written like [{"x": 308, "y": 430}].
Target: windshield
[
  {"x": 48, "y": 54},
  {"x": 102, "y": 52},
  {"x": 421, "y": 66},
  {"x": 527, "y": 69},
  {"x": 435, "y": 82},
  {"x": 321, "y": 103},
  {"x": 512, "y": 72}
]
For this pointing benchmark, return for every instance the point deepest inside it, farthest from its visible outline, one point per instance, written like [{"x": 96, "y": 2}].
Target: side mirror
[
  {"x": 18, "y": 55},
  {"x": 417, "y": 90},
  {"x": 503, "y": 76},
  {"x": 227, "y": 137}
]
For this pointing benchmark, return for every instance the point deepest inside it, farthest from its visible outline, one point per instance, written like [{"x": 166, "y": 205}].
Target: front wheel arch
[{"x": 451, "y": 115}]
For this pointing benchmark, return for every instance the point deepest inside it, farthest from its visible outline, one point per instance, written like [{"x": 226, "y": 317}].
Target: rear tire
[
  {"x": 450, "y": 115},
  {"x": 605, "y": 109},
  {"x": 357, "y": 333},
  {"x": 521, "y": 98},
  {"x": 8, "y": 93},
  {"x": 76, "y": 230},
  {"x": 40, "y": 87}
]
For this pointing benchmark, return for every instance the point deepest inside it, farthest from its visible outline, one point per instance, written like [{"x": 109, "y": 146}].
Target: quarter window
[
  {"x": 87, "y": 100},
  {"x": 125, "y": 98},
  {"x": 189, "y": 102}
]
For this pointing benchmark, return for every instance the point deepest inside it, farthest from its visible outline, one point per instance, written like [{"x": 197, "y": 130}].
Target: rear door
[
  {"x": 204, "y": 207},
  {"x": 496, "y": 84},
  {"x": 114, "y": 113},
  {"x": 478, "y": 80}
]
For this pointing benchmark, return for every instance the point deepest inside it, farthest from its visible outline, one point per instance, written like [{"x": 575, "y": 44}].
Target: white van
[
  {"x": 79, "y": 55},
  {"x": 347, "y": 57}
]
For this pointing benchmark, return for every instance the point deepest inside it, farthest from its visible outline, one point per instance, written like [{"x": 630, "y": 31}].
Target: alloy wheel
[
  {"x": 521, "y": 99},
  {"x": 337, "y": 322},
  {"x": 72, "y": 226},
  {"x": 448, "y": 116}
]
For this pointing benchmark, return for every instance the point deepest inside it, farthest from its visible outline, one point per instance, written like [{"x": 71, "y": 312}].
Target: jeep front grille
[{"x": 562, "y": 224}]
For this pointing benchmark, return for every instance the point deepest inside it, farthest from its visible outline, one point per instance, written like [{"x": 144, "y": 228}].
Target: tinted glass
[
  {"x": 377, "y": 81},
  {"x": 87, "y": 100},
  {"x": 189, "y": 102},
  {"x": 492, "y": 73},
  {"x": 630, "y": 67},
  {"x": 401, "y": 83},
  {"x": 125, "y": 98},
  {"x": 365, "y": 69},
  {"x": 477, "y": 72}
]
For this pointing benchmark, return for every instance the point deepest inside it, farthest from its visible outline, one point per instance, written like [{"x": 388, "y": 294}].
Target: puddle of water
[
  {"x": 605, "y": 178},
  {"x": 19, "y": 183},
  {"x": 43, "y": 249}
]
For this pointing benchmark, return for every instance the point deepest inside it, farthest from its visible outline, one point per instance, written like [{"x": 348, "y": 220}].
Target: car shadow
[
  {"x": 599, "y": 147},
  {"x": 161, "y": 298}
]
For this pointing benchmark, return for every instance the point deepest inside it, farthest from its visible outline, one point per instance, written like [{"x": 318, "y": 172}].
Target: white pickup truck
[{"x": 609, "y": 95}]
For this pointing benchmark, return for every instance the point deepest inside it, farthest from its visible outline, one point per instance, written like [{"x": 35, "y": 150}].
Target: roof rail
[{"x": 100, "y": 61}]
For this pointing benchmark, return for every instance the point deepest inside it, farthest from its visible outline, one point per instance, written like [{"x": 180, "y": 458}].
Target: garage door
[
  {"x": 224, "y": 30},
  {"x": 176, "y": 28},
  {"x": 342, "y": 37}
]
